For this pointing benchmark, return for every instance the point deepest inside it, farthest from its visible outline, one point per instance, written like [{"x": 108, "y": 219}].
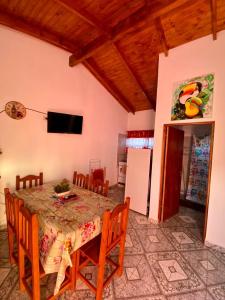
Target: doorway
[{"x": 186, "y": 169}]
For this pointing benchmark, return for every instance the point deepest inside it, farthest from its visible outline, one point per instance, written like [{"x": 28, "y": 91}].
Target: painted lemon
[{"x": 191, "y": 109}]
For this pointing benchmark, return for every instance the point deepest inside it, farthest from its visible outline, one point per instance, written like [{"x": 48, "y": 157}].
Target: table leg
[{"x": 73, "y": 269}]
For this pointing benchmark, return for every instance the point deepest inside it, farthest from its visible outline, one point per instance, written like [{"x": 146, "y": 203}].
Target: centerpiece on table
[{"x": 62, "y": 189}]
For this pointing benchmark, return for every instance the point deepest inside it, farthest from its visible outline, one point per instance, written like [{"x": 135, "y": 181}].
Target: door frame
[{"x": 163, "y": 163}]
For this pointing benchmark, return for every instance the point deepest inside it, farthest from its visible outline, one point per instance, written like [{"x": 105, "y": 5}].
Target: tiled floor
[{"x": 166, "y": 261}]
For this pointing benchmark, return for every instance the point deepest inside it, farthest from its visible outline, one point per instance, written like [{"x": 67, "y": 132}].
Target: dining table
[{"x": 65, "y": 224}]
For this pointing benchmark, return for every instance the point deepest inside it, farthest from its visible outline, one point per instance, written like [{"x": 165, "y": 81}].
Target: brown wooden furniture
[
  {"x": 29, "y": 248},
  {"x": 97, "y": 250},
  {"x": 80, "y": 180},
  {"x": 98, "y": 174},
  {"x": 29, "y": 179},
  {"x": 99, "y": 187},
  {"x": 12, "y": 216}
]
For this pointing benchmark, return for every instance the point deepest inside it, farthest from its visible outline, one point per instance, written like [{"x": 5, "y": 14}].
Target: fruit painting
[{"x": 192, "y": 99}]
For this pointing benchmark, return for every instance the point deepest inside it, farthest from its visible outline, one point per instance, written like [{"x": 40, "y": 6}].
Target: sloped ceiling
[{"x": 119, "y": 41}]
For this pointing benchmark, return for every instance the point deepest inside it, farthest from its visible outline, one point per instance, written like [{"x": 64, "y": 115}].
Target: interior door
[
  {"x": 172, "y": 172},
  {"x": 137, "y": 179}
]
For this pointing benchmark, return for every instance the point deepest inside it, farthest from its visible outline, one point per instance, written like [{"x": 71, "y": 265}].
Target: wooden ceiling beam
[
  {"x": 91, "y": 65},
  {"x": 162, "y": 36},
  {"x": 213, "y": 5},
  {"x": 149, "y": 13},
  {"x": 132, "y": 73},
  {"x": 89, "y": 50},
  {"x": 74, "y": 7},
  {"x": 146, "y": 13},
  {"x": 19, "y": 24}
]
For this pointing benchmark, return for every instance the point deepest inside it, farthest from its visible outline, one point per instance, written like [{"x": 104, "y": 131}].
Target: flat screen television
[{"x": 64, "y": 123}]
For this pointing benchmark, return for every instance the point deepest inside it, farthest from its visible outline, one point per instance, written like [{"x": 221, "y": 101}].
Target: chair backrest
[
  {"x": 28, "y": 233},
  {"x": 12, "y": 211},
  {"x": 114, "y": 226},
  {"x": 98, "y": 174},
  {"x": 99, "y": 187},
  {"x": 10, "y": 208},
  {"x": 29, "y": 180},
  {"x": 80, "y": 180}
]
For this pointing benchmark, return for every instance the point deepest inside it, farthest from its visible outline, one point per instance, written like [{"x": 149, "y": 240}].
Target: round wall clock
[{"x": 15, "y": 110}]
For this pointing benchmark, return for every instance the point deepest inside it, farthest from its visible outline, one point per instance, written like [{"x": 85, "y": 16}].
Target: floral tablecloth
[{"x": 64, "y": 228}]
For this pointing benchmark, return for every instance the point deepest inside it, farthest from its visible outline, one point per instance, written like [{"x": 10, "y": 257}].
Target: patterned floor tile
[
  {"x": 3, "y": 273},
  {"x": 152, "y": 269},
  {"x": 145, "y": 285},
  {"x": 218, "y": 291},
  {"x": 172, "y": 270},
  {"x": 197, "y": 232},
  {"x": 182, "y": 239},
  {"x": 200, "y": 295},
  {"x": 132, "y": 245},
  {"x": 164, "y": 264},
  {"x": 158, "y": 297},
  {"x": 9, "y": 283},
  {"x": 172, "y": 222},
  {"x": 154, "y": 240},
  {"x": 4, "y": 252},
  {"x": 219, "y": 252},
  {"x": 187, "y": 219},
  {"x": 206, "y": 265},
  {"x": 139, "y": 221}
]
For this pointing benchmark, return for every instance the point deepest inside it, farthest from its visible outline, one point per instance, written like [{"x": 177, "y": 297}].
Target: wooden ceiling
[{"x": 119, "y": 41}]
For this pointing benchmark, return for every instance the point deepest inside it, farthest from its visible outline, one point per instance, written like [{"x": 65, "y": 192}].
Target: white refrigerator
[{"x": 138, "y": 179}]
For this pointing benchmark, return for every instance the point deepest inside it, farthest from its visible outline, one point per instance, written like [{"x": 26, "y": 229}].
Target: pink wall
[
  {"x": 141, "y": 120},
  {"x": 37, "y": 74},
  {"x": 193, "y": 59}
]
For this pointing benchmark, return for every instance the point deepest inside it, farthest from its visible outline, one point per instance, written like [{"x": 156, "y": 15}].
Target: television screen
[{"x": 64, "y": 123}]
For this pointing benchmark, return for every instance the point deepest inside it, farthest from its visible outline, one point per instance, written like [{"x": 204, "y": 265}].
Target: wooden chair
[
  {"x": 29, "y": 248},
  {"x": 12, "y": 205},
  {"x": 97, "y": 250},
  {"x": 36, "y": 179},
  {"x": 99, "y": 187},
  {"x": 80, "y": 180},
  {"x": 98, "y": 174}
]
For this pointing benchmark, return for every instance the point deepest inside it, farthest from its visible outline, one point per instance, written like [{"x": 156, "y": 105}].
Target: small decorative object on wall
[
  {"x": 17, "y": 110},
  {"x": 192, "y": 98}
]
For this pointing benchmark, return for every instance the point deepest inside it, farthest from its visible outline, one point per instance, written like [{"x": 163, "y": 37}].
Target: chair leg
[
  {"x": 74, "y": 268},
  {"x": 35, "y": 281},
  {"x": 21, "y": 268},
  {"x": 121, "y": 256},
  {"x": 100, "y": 281},
  {"x": 11, "y": 246}
]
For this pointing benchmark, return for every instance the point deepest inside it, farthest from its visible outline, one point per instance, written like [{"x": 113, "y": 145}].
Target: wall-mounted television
[{"x": 64, "y": 123}]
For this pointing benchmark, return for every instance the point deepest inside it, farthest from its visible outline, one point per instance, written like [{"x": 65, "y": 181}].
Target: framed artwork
[{"x": 192, "y": 99}]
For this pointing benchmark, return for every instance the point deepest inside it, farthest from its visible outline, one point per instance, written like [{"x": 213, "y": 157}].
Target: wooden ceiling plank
[
  {"x": 88, "y": 51},
  {"x": 19, "y": 24},
  {"x": 213, "y": 5},
  {"x": 132, "y": 72},
  {"x": 76, "y": 8},
  {"x": 147, "y": 12},
  {"x": 161, "y": 32},
  {"x": 91, "y": 65}
]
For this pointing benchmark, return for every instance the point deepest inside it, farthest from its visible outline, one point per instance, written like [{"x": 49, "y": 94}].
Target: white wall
[
  {"x": 141, "y": 120},
  {"x": 193, "y": 59},
  {"x": 37, "y": 74}
]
